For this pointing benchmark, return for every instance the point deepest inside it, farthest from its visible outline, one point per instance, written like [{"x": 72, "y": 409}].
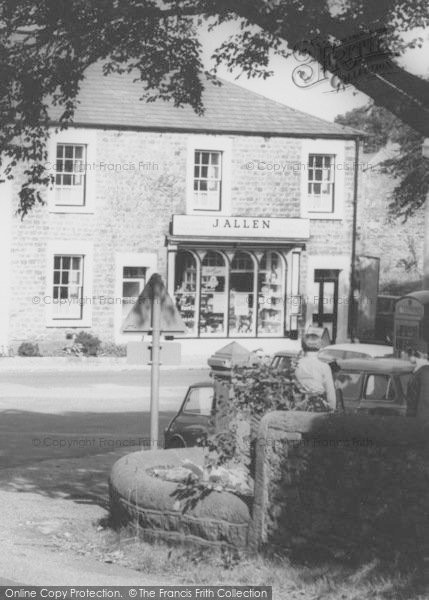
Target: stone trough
[{"x": 171, "y": 511}]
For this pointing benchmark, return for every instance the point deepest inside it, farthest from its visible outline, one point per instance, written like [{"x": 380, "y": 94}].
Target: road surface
[
  {"x": 60, "y": 434},
  {"x": 49, "y": 415}
]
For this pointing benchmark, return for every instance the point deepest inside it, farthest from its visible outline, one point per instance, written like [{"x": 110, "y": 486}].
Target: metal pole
[
  {"x": 154, "y": 375},
  {"x": 352, "y": 300},
  {"x": 426, "y": 246},
  {"x": 425, "y": 152}
]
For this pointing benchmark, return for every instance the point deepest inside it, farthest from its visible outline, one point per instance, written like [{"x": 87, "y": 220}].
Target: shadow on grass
[{"x": 68, "y": 455}]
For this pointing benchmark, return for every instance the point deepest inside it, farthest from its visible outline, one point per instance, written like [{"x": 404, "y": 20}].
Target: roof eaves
[{"x": 203, "y": 130}]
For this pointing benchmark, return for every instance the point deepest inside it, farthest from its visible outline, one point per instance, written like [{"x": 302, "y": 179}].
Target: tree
[
  {"x": 45, "y": 47},
  {"x": 379, "y": 124},
  {"x": 408, "y": 166}
]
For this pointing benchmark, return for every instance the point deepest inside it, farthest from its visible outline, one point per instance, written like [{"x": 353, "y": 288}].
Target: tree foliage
[
  {"x": 46, "y": 46},
  {"x": 412, "y": 172},
  {"x": 408, "y": 166},
  {"x": 379, "y": 125}
]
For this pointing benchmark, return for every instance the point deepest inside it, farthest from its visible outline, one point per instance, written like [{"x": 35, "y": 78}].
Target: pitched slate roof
[{"x": 114, "y": 101}]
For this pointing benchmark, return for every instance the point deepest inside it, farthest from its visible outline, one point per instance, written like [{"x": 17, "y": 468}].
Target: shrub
[
  {"x": 255, "y": 390},
  {"x": 259, "y": 389},
  {"x": 87, "y": 344},
  {"x": 111, "y": 349},
  {"x": 28, "y": 349}
]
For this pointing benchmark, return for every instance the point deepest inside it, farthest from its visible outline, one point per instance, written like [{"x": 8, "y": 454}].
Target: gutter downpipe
[{"x": 352, "y": 299}]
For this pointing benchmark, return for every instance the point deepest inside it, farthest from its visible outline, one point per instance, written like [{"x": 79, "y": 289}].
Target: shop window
[
  {"x": 242, "y": 295},
  {"x": 133, "y": 282},
  {"x": 236, "y": 298},
  {"x": 67, "y": 292},
  {"x": 213, "y": 301},
  {"x": 207, "y": 180},
  {"x": 70, "y": 177},
  {"x": 321, "y": 173},
  {"x": 185, "y": 289},
  {"x": 271, "y": 294}
]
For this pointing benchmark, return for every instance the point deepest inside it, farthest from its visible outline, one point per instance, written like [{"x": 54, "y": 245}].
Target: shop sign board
[{"x": 244, "y": 227}]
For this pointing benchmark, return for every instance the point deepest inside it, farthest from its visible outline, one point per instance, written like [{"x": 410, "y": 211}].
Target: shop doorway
[{"x": 326, "y": 286}]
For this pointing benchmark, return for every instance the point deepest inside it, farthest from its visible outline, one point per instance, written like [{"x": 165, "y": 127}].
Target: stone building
[
  {"x": 246, "y": 211},
  {"x": 398, "y": 244}
]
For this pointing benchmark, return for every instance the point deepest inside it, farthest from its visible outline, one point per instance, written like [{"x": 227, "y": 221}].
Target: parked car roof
[
  {"x": 380, "y": 365},
  {"x": 205, "y": 383},
  {"x": 373, "y": 350},
  {"x": 421, "y": 295}
]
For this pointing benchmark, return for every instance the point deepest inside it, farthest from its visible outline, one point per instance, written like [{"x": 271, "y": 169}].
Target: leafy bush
[
  {"x": 87, "y": 344},
  {"x": 255, "y": 390},
  {"x": 111, "y": 349},
  {"x": 259, "y": 389},
  {"x": 28, "y": 349}
]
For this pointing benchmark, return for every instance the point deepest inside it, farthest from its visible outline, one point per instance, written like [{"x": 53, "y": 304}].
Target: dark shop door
[{"x": 327, "y": 311}]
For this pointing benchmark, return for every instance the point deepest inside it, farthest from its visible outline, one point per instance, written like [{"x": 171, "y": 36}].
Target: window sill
[
  {"x": 69, "y": 323},
  {"x": 313, "y": 216},
  {"x": 207, "y": 213},
  {"x": 86, "y": 210}
]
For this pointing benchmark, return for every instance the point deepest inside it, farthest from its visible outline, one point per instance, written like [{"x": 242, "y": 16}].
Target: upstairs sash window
[
  {"x": 207, "y": 180},
  {"x": 70, "y": 177},
  {"x": 321, "y": 173}
]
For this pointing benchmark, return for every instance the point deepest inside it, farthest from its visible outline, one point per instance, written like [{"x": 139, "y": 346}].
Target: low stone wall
[{"x": 353, "y": 486}]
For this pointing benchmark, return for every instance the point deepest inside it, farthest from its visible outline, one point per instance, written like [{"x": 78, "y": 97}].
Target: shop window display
[
  {"x": 242, "y": 295},
  {"x": 213, "y": 294},
  {"x": 271, "y": 295},
  {"x": 185, "y": 287}
]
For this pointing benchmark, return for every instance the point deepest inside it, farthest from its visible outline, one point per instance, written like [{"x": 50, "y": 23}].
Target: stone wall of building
[
  {"x": 140, "y": 184},
  {"x": 354, "y": 486},
  {"x": 398, "y": 244}
]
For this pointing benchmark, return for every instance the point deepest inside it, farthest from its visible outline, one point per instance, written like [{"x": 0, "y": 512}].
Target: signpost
[
  {"x": 154, "y": 313},
  {"x": 155, "y": 364}
]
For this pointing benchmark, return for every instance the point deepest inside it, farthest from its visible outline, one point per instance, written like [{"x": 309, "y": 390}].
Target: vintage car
[
  {"x": 375, "y": 387},
  {"x": 192, "y": 421},
  {"x": 372, "y": 386}
]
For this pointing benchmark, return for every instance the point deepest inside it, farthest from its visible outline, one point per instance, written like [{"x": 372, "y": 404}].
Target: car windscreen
[
  {"x": 199, "y": 401},
  {"x": 349, "y": 382},
  {"x": 380, "y": 387},
  {"x": 281, "y": 362}
]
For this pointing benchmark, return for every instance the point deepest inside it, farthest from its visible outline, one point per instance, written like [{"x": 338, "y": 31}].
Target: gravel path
[{"x": 51, "y": 525}]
